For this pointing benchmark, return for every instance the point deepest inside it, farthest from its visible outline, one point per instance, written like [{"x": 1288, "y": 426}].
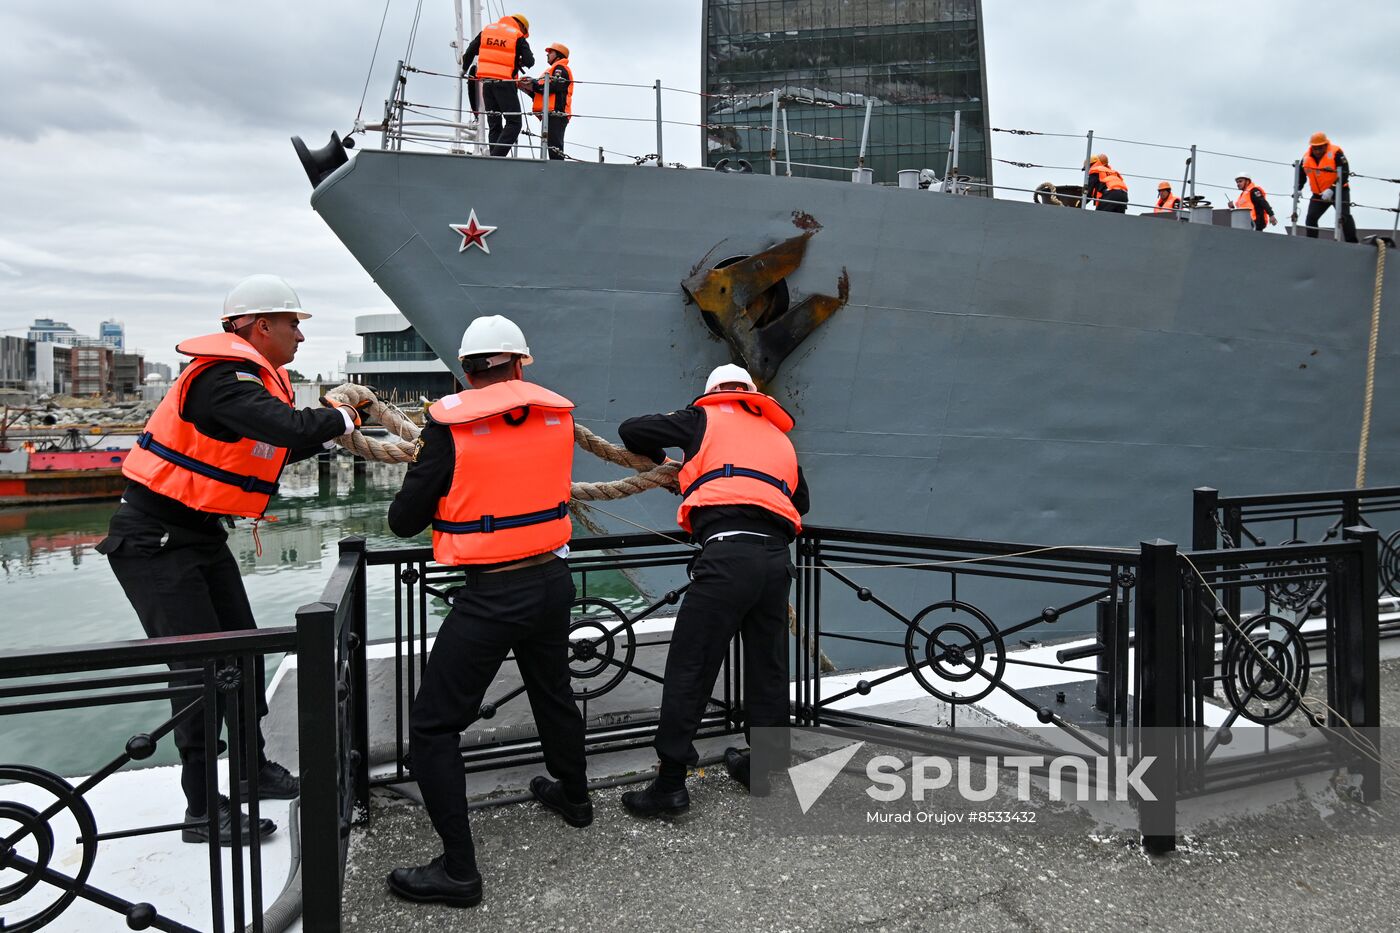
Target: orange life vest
[
  {"x": 509, "y": 497},
  {"x": 1244, "y": 200},
  {"x": 1164, "y": 205},
  {"x": 495, "y": 58},
  {"x": 745, "y": 457},
  {"x": 1108, "y": 178},
  {"x": 173, "y": 458},
  {"x": 538, "y": 105},
  {"x": 1322, "y": 173}
]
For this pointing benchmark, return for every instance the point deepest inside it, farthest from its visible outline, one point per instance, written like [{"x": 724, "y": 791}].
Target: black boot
[
  {"x": 739, "y": 765},
  {"x": 431, "y": 884},
  {"x": 652, "y": 802},
  {"x": 274, "y": 783},
  {"x": 551, "y": 794},
  {"x": 197, "y": 827}
]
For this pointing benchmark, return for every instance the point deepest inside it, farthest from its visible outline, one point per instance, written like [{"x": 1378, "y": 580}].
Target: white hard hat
[
  {"x": 262, "y": 294},
  {"x": 1245, "y": 175},
  {"x": 729, "y": 373},
  {"x": 494, "y": 334}
]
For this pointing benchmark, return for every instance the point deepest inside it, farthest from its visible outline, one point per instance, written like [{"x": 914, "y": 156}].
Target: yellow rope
[{"x": 1371, "y": 365}]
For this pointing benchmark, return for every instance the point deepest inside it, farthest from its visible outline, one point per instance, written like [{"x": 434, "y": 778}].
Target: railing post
[
  {"x": 1105, "y": 634},
  {"x": 359, "y": 669},
  {"x": 1337, "y": 210},
  {"x": 1160, "y": 690},
  {"x": 1088, "y": 154},
  {"x": 773, "y": 137},
  {"x": 1204, "y": 512},
  {"x": 544, "y": 119},
  {"x": 1297, "y": 196},
  {"x": 317, "y": 714},
  {"x": 787, "y": 146},
  {"x": 1358, "y": 643},
  {"x": 1192, "y": 197},
  {"x": 660, "y": 156}
]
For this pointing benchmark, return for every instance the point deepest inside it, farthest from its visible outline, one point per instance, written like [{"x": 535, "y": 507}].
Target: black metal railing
[{"x": 216, "y": 676}]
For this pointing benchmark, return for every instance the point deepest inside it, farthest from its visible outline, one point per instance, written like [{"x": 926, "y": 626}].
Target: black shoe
[
  {"x": 651, "y": 802},
  {"x": 431, "y": 884},
  {"x": 197, "y": 827},
  {"x": 274, "y": 783},
  {"x": 739, "y": 765},
  {"x": 551, "y": 794}
]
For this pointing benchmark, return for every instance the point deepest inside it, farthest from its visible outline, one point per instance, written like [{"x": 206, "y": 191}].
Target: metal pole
[
  {"x": 659, "y": 154},
  {"x": 787, "y": 147},
  {"x": 773, "y": 137},
  {"x": 544, "y": 117},
  {"x": 865, "y": 132},
  {"x": 481, "y": 132},
  {"x": 458, "y": 47},
  {"x": 1337, "y": 210},
  {"x": 1088, "y": 154},
  {"x": 1193, "y": 173},
  {"x": 950, "y": 177},
  {"x": 1297, "y": 196},
  {"x": 1395, "y": 230},
  {"x": 1160, "y": 688},
  {"x": 600, "y": 153}
]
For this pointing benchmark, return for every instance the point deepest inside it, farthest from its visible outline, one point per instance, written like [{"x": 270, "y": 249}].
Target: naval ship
[{"x": 959, "y": 365}]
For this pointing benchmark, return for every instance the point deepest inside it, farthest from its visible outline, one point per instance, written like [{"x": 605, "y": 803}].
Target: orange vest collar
[
  {"x": 765, "y": 405},
  {"x": 493, "y": 400}
]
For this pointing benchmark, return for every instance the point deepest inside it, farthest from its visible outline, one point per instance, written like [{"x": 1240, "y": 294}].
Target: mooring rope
[
  {"x": 405, "y": 450},
  {"x": 1381, "y": 244}
]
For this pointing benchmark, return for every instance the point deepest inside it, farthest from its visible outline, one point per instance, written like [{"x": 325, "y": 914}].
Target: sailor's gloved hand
[
  {"x": 1273, "y": 221},
  {"x": 350, "y": 412},
  {"x": 1329, "y": 195}
]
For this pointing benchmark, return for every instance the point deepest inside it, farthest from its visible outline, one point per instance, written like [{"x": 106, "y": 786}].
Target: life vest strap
[
  {"x": 729, "y": 470},
  {"x": 184, "y": 461},
  {"x": 489, "y": 523}
]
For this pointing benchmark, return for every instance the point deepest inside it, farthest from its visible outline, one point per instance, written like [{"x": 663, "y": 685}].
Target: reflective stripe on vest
[
  {"x": 509, "y": 498},
  {"x": 1321, "y": 173},
  {"x": 495, "y": 58},
  {"x": 568, "y": 96},
  {"x": 1108, "y": 178},
  {"x": 1244, "y": 200},
  {"x": 1164, "y": 205},
  {"x": 173, "y": 458},
  {"x": 750, "y": 428}
]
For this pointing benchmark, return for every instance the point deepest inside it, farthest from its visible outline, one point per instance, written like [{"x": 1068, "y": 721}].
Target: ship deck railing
[
  {"x": 1215, "y": 695},
  {"x": 428, "y": 121}
]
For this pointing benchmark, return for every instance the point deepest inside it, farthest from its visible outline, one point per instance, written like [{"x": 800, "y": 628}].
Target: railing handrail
[{"x": 27, "y": 662}]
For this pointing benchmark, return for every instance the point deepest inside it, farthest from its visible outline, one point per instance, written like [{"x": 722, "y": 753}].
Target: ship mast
[{"x": 461, "y": 48}]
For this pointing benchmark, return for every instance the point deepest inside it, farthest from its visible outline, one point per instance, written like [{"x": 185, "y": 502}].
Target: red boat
[{"x": 40, "y": 471}]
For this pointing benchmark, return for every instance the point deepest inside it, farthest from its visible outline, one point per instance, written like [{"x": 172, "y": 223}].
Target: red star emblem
[{"x": 473, "y": 233}]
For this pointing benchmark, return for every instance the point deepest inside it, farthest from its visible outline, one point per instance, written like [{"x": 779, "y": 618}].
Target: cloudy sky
[{"x": 144, "y": 162}]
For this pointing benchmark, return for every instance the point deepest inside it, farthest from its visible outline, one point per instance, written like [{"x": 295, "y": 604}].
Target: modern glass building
[
  {"x": 916, "y": 62},
  {"x": 397, "y": 361}
]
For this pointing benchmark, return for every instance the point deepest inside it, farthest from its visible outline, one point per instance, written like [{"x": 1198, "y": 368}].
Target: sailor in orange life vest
[
  {"x": 1166, "y": 201},
  {"x": 492, "y": 477},
  {"x": 213, "y": 451},
  {"x": 500, "y": 52},
  {"x": 1322, "y": 166},
  {"x": 561, "y": 94},
  {"x": 1253, "y": 197},
  {"x": 1106, "y": 186},
  {"x": 742, "y": 495}
]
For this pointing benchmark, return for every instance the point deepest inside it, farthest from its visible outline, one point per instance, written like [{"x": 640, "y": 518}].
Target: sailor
[
  {"x": 1166, "y": 201},
  {"x": 492, "y": 478},
  {"x": 213, "y": 451},
  {"x": 500, "y": 52},
  {"x": 561, "y": 92},
  {"x": 1106, "y": 187},
  {"x": 1323, "y": 165},
  {"x": 1253, "y": 197},
  {"x": 742, "y": 495}
]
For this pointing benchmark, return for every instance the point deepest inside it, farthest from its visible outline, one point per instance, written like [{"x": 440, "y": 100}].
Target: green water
[{"x": 56, "y": 590}]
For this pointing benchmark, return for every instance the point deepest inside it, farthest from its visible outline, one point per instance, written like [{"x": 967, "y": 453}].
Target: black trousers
[
  {"x": 183, "y": 581},
  {"x": 525, "y": 611},
  {"x": 502, "y": 103},
  {"x": 1113, "y": 202},
  {"x": 1317, "y": 207},
  {"x": 558, "y": 123},
  {"x": 738, "y": 585}
]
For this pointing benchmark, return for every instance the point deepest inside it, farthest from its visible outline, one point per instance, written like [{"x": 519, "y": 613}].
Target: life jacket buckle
[{"x": 488, "y": 524}]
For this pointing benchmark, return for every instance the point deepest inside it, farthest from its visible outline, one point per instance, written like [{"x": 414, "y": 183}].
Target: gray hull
[{"x": 1002, "y": 370}]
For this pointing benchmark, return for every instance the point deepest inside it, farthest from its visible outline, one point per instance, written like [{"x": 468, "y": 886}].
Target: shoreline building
[
  {"x": 914, "y": 62},
  {"x": 396, "y": 361}
]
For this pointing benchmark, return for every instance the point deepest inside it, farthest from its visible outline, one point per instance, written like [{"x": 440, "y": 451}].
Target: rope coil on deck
[{"x": 405, "y": 450}]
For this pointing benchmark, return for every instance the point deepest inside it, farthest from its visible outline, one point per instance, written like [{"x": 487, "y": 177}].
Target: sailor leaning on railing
[{"x": 213, "y": 450}]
